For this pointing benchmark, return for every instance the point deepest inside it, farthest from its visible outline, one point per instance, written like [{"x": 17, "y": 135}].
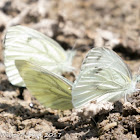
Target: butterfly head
[{"x": 67, "y": 65}]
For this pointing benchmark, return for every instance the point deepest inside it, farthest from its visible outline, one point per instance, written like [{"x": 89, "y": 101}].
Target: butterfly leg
[{"x": 125, "y": 99}]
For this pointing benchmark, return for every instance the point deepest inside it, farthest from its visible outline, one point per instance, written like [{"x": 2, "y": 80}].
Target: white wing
[
  {"x": 23, "y": 43},
  {"x": 103, "y": 76}
]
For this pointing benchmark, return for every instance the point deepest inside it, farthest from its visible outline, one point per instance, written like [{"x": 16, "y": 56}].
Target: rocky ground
[{"x": 82, "y": 25}]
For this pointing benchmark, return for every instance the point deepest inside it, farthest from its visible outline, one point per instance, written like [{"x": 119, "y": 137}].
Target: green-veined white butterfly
[
  {"x": 103, "y": 77},
  {"x": 23, "y": 43}
]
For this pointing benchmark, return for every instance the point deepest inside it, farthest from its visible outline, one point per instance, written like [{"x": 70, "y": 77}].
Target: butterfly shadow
[
  {"x": 64, "y": 127},
  {"x": 28, "y": 113},
  {"x": 90, "y": 128}
]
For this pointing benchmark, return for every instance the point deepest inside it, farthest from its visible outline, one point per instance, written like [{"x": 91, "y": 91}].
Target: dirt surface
[{"x": 83, "y": 24}]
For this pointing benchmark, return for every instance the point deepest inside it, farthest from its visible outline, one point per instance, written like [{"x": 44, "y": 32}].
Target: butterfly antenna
[
  {"x": 74, "y": 46},
  {"x": 72, "y": 51},
  {"x": 74, "y": 73}
]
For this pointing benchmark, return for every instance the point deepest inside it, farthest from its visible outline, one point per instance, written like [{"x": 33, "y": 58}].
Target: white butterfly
[
  {"x": 103, "y": 77},
  {"x": 23, "y": 43}
]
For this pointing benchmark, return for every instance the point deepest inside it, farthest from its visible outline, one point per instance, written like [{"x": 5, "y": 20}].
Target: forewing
[
  {"x": 103, "y": 74},
  {"x": 105, "y": 58},
  {"x": 51, "y": 90},
  {"x": 23, "y": 43}
]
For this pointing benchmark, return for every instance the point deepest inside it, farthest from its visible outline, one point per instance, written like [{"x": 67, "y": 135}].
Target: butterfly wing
[
  {"x": 103, "y": 76},
  {"x": 51, "y": 90},
  {"x": 23, "y": 43}
]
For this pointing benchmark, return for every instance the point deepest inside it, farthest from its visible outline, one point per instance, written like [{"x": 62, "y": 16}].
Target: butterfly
[
  {"x": 23, "y": 43},
  {"x": 103, "y": 77}
]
